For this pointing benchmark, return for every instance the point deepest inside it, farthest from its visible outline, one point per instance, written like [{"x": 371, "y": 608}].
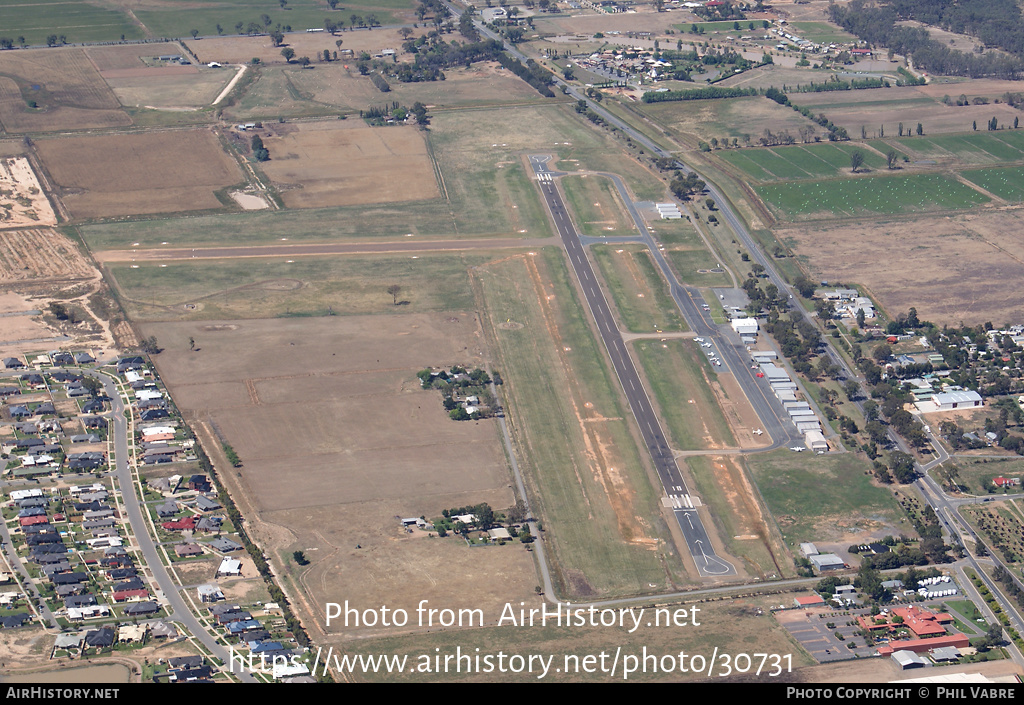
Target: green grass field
[
  {"x": 823, "y": 497},
  {"x": 596, "y": 206},
  {"x": 1007, "y": 183},
  {"x": 677, "y": 375},
  {"x": 821, "y": 32},
  {"x": 886, "y": 195},
  {"x": 601, "y": 512},
  {"x": 972, "y": 148},
  {"x": 688, "y": 263},
  {"x": 640, "y": 294},
  {"x": 308, "y": 286},
  {"x": 800, "y": 161},
  {"x": 77, "y": 20},
  {"x": 177, "y": 18}
]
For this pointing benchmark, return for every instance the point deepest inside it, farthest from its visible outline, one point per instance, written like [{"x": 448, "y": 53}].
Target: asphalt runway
[{"x": 701, "y": 550}]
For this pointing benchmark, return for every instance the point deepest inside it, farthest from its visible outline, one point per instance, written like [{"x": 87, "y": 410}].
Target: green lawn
[
  {"x": 972, "y": 147},
  {"x": 885, "y": 195},
  {"x": 823, "y": 497},
  {"x": 821, "y": 32},
  {"x": 688, "y": 263}
]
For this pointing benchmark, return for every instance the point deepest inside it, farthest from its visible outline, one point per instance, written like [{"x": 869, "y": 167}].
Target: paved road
[
  {"x": 707, "y": 562},
  {"x": 167, "y": 587}
]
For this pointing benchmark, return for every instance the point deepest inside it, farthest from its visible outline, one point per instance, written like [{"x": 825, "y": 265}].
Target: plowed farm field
[
  {"x": 130, "y": 174},
  {"x": 41, "y": 253}
]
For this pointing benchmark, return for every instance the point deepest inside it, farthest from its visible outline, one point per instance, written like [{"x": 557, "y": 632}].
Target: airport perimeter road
[{"x": 707, "y": 562}]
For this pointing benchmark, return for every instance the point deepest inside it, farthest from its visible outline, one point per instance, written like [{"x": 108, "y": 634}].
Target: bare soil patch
[
  {"x": 337, "y": 439},
  {"x": 327, "y": 164},
  {"x": 65, "y": 86},
  {"x": 953, "y": 270},
  {"x": 40, "y": 254},
  {"x": 157, "y": 172},
  {"x": 22, "y": 202}
]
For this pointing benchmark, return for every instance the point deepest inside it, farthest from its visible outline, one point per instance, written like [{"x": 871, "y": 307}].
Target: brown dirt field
[
  {"x": 72, "y": 95},
  {"x": 934, "y": 116},
  {"x": 990, "y": 88},
  {"x": 150, "y": 72},
  {"x": 324, "y": 164},
  {"x": 22, "y": 203},
  {"x": 241, "y": 50},
  {"x": 643, "y": 20},
  {"x": 158, "y": 172},
  {"x": 128, "y": 56},
  {"x": 953, "y": 270},
  {"x": 40, "y": 254},
  {"x": 337, "y": 439}
]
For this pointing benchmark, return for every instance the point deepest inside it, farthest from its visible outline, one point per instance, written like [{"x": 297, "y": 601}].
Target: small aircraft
[{"x": 797, "y": 449}]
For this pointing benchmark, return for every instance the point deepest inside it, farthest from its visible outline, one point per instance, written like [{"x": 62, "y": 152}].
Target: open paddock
[
  {"x": 746, "y": 119},
  {"x": 338, "y": 438},
  {"x": 801, "y": 161},
  {"x": 338, "y": 164},
  {"x": 872, "y": 195},
  {"x": 22, "y": 202},
  {"x": 157, "y": 172},
  {"x": 306, "y": 286},
  {"x": 243, "y": 49},
  {"x": 65, "y": 86},
  {"x": 969, "y": 148},
  {"x": 165, "y": 89},
  {"x": 78, "y": 20},
  {"x": 884, "y": 108},
  {"x": 119, "y": 57},
  {"x": 823, "y": 498},
  {"x": 960, "y": 264}
]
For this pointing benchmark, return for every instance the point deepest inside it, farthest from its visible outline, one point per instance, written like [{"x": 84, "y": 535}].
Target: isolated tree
[
  {"x": 338, "y": 43},
  {"x": 277, "y": 37},
  {"x": 856, "y": 160},
  {"x": 59, "y": 311},
  {"x": 330, "y": 25},
  {"x": 920, "y": 129},
  {"x": 220, "y": 30},
  {"x": 21, "y": 41},
  {"x": 288, "y": 53},
  {"x": 149, "y": 345},
  {"x": 194, "y": 33},
  {"x": 304, "y": 61},
  {"x": 890, "y": 158},
  {"x": 92, "y": 385},
  {"x": 259, "y": 151},
  {"x": 51, "y": 40},
  {"x": 191, "y": 343},
  {"x": 333, "y": 4},
  {"x": 394, "y": 290},
  {"x": 283, "y": 3},
  {"x": 265, "y": 19}
]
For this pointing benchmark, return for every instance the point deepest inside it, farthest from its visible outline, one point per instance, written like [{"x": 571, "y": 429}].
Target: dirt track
[{"x": 320, "y": 249}]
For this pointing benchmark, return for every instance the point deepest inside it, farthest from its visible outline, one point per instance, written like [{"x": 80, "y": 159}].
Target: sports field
[{"x": 885, "y": 195}]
